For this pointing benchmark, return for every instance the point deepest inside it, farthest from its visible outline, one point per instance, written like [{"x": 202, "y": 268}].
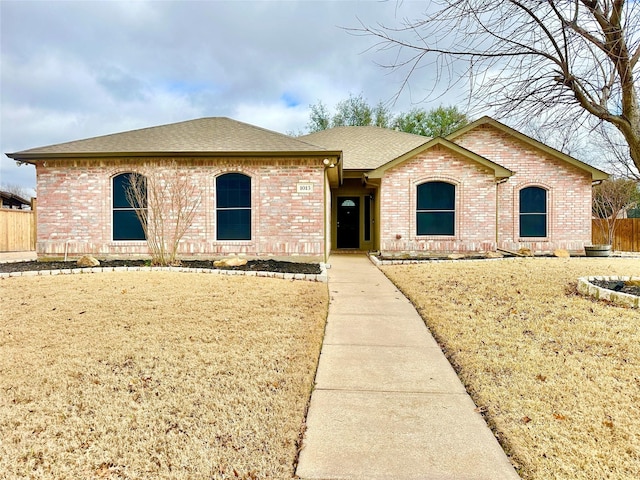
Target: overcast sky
[{"x": 73, "y": 70}]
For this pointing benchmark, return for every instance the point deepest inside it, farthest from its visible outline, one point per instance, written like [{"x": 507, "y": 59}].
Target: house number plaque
[{"x": 305, "y": 188}]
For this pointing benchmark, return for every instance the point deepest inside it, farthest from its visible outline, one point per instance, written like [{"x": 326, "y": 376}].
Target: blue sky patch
[{"x": 289, "y": 100}]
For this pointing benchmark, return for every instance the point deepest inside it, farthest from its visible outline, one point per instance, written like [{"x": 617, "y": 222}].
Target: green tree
[
  {"x": 354, "y": 111},
  {"x": 319, "y": 118},
  {"x": 437, "y": 122}
]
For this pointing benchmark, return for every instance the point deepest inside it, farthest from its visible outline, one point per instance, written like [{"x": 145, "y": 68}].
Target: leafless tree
[
  {"x": 166, "y": 203},
  {"x": 14, "y": 188},
  {"x": 569, "y": 62},
  {"x": 614, "y": 152},
  {"x": 610, "y": 199}
]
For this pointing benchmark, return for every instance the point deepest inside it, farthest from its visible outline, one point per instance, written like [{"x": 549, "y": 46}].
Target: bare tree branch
[
  {"x": 166, "y": 202},
  {"x": 524, "y": 57}
]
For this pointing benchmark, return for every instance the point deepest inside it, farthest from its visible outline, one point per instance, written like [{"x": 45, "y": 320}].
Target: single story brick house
[{"x": 262, "y": 193}]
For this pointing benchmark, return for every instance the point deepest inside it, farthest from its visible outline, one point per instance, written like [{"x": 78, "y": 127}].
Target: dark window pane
[
  {"x": 127, "y": 226},
  {"x": 436, "y": 223},
  {"x": 233, "y": 190},
  {"x": 533, "y": 225},
  {"x": 121, "y": 184},
  {"x": 436, "y": 196},
  {"x": 234, "y": 224},
  {"x": 533, "y": 212},
  {"x": 533, "y": 200}
]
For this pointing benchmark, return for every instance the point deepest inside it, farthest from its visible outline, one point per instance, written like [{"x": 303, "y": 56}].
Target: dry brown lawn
[
  {"x": 558, "y": 373},
  {"x": 140, "y": 375}
]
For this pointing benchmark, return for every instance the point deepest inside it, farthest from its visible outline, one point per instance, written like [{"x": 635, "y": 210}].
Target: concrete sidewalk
[
  {"x": 387, "y": 404},
  {"x": 18, "y": 256}
]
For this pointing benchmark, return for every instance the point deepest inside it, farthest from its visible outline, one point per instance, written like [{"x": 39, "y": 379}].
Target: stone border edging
[
  {"x": 585, "y": 287},
  {"x": 399, "y": 261},
  {"x": 310, "y": 277}
]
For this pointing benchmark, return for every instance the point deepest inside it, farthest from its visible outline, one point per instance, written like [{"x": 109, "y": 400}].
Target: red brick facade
[
  {"x": 568, "y": 197},
  {"x": 474, "y": 203},
  {"x": 292, "y": 193},
  {"x": 75, "y": 207}
]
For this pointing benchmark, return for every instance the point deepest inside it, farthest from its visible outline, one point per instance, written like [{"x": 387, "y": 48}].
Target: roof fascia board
[
  {"x": 34, "y": 157},
  {"x": 596, "y": 174},
  {"x": 355, "y": 172},
  {"x": 499, "y": 170}
]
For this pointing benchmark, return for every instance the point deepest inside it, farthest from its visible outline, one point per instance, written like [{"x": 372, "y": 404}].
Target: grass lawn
[
  {"x": 138, "y": 375},
  {"x": 558, "y": 374}
]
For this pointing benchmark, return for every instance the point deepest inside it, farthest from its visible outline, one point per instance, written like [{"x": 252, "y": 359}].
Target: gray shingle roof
[
  {"x": 366, "y": 147},
  {"x": 204, "y": 135}
]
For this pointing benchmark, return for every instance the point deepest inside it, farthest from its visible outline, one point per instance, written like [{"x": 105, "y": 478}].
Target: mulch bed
[
  {"x": 251, "y": 265},
  {"x": 618, "y": 286}
]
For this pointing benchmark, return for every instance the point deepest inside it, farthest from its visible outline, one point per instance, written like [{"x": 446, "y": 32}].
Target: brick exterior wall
[
  {"x": 75, "y": 203},
  {"x": 75, "y": 207},
  {"x": 568, "y": 191},
  {"x": 568, "y": 197},
  {"x": 475, "y": 203}
]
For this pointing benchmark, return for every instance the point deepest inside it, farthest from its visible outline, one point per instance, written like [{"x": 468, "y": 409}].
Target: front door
[{"x": 348, "y": 228}]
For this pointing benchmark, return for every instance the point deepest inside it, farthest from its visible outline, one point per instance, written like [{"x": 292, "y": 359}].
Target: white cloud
[{"x": 84, "y": 69}]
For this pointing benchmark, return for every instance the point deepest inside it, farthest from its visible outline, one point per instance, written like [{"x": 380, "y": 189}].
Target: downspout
[{"x": 498, "y": 210}]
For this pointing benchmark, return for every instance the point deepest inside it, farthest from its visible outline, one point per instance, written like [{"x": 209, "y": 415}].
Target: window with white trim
[
  {"x": 436, "y": 209},
  {"x": 533, "y": 212},
  {"x": 126, "y": 222},
  {"x": 233, "y": 207}
]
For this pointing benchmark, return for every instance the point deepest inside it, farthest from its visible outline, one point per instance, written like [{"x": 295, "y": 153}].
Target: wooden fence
[
  {"x": 17, "y": 230},
  {"x": 627, "y": 238}
]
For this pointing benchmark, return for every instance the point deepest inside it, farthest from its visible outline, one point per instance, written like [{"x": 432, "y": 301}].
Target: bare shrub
[
  {"x": 166, "y": 203},
  {"x": 610, "y": 199}
]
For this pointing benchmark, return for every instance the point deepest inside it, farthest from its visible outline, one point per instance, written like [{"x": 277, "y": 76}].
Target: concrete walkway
[
  {"x": 387, "y": 404},
  {"x": 18, "y": 256}
]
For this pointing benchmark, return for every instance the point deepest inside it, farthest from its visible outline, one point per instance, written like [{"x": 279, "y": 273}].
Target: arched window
[
  {"x": 533, "y": 212},
  {"x": 129, "y": 193},
  {"x": 233, "y": 209},
  {"x": 436, "y": 209}
]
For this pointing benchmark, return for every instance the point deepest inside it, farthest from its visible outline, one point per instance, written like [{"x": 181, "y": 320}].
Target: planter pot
[{"x": 597, "y": 250}]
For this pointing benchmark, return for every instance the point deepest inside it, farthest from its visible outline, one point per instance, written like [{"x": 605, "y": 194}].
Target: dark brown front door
[{"x": 348, "y": 228}]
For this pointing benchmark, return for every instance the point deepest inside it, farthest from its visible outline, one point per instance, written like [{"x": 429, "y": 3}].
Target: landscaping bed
[
  {"x": 267, "y": 265},
  {"x": 632, "y": 288}
]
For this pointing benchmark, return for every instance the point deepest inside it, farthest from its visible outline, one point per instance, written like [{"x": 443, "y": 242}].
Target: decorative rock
[
  {"x": 230, "y": 262},
  {"x": 561, "y": 253},
  {"x": 526, "y": 252},
  {"x": 88, "y": 261},
  {"x": 493, "y": 255},
  {"x": 455, "y": 256}
]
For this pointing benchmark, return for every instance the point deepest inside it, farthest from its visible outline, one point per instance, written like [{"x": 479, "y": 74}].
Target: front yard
[
  {"x": 557, "y": 374},
  {"x": 139, "y": 375}
]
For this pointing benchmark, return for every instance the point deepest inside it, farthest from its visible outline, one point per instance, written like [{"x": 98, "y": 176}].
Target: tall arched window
[
  {"x": 233, "y": 209},
  {"x": 436, "y": 209},
  {"x": 533, "y": 212},
  {"x": 129, "y": 193}
]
